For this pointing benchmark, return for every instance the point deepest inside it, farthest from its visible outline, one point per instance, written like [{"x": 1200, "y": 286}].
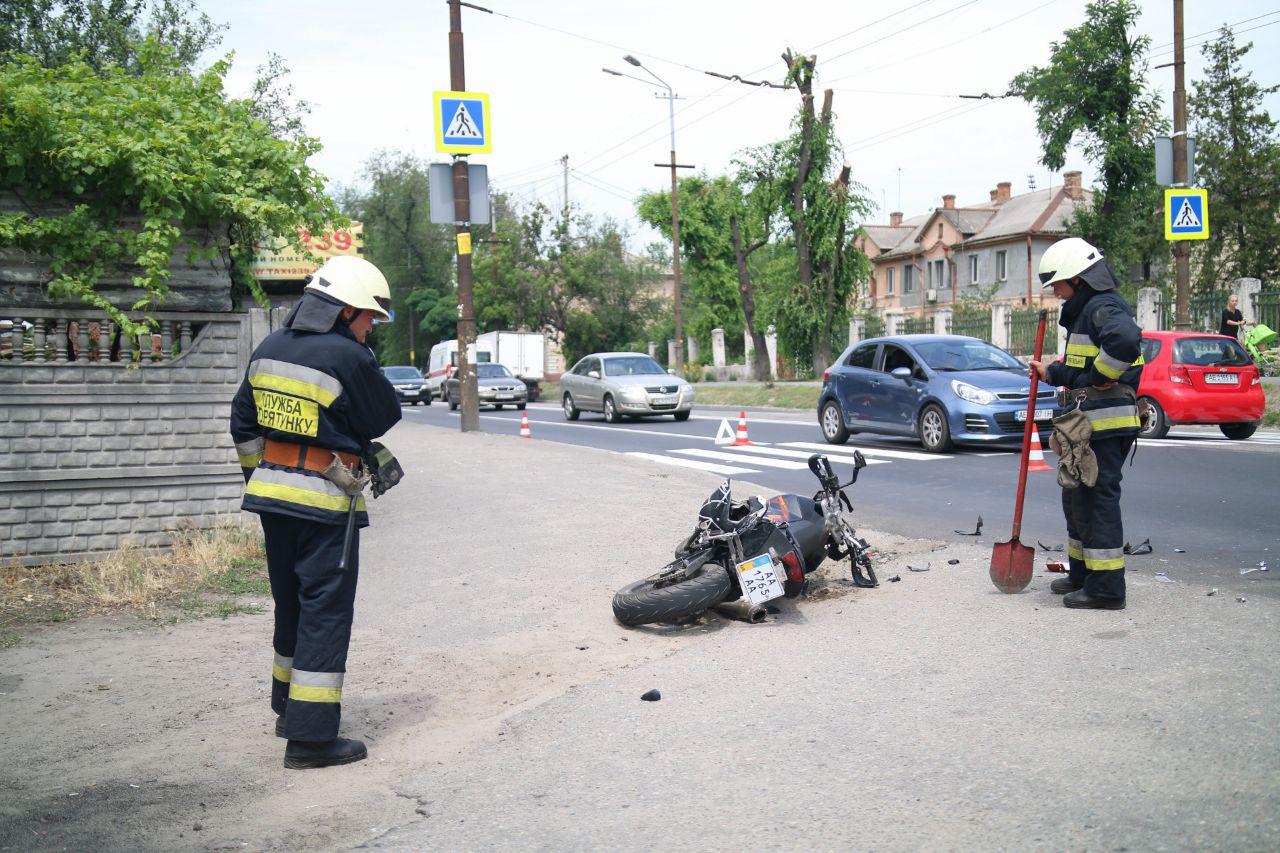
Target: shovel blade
[{"x": 1011, "y": 565}]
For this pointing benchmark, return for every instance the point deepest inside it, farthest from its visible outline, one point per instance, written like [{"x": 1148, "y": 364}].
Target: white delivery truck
[
  {"x": 443, "y": 363},
  {"x": 523, "y": 353}
]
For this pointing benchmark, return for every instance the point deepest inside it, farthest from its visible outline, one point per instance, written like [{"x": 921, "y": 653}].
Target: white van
[{"x": 443, "y": 362}]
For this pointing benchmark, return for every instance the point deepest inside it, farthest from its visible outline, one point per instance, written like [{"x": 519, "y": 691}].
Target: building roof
[{"x": 1046, "y": 211}]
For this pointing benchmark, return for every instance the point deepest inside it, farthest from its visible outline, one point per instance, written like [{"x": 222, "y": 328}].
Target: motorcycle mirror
[{"x": 859, "y": 461}]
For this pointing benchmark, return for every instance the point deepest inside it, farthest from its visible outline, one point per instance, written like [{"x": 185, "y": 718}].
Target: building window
[
  {"x": 939, "y": 232},
  {"x": 973, "y": 269},
  {"x": 908, "y": 282},
  {"x": 888, "y": 281},
  {"x": 937, "y": 273},
  {"x": 1002, "y": 265}
]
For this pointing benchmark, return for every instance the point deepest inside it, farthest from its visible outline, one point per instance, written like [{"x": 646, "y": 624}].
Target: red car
[{"x": 1198, "y": 378}]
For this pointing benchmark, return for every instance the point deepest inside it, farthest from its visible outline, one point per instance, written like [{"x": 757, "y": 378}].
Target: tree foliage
[
  {"x": 1238, "y": 159},
  {"x": 1094, "y": 94},
  {"x": 147, "y": 140}
]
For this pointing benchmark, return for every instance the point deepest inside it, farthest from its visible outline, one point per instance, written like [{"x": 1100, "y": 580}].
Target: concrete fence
[{"x": 97, "y": 453}]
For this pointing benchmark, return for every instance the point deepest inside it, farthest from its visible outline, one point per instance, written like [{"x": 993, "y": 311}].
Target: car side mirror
[
  {"x": 594, "y": 374},
  {"x": 903, "y": 373},
  {"x": 671, "y": 371}
]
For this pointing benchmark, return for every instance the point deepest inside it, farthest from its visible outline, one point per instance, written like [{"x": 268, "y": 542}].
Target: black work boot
[
  {"x": 1081, "y": 600},
  {"x": 280, "y": 725},
  {"x": 1059, "y": 586},
  {"x": 306, "y": 754}
]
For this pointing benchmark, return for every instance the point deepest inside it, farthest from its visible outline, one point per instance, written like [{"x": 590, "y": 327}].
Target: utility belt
[
  {"x": 306, "y": 456},
  {"x": 1074, "y": 397}
]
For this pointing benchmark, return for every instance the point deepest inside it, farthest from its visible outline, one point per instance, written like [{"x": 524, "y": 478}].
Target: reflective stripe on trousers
[{"x": 1095, "y": 531}]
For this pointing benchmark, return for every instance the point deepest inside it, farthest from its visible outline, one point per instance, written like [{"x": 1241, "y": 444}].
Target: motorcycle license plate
[
  {"x": 759, "y": 579},
  {"x": 1041, "y": 414}
]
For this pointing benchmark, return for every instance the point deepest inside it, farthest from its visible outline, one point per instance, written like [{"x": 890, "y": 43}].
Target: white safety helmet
[
  {"x": 1066, "y": 259},
  {"x": 353, "y": 281}
]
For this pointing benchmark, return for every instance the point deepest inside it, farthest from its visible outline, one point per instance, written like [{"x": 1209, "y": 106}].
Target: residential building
[{"x": 941, "y": 257}]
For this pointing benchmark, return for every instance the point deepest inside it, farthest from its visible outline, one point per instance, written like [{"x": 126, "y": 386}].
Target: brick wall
[{"x": 96, "y": 455}]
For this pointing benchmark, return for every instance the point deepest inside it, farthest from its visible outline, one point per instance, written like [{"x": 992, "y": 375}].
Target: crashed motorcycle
[{"x": 742, "y": 555}]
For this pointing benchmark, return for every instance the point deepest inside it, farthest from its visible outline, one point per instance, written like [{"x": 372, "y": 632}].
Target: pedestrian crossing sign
[
  {"x": 462, "y": 123},
  {"x": 1186, "y": 214}
]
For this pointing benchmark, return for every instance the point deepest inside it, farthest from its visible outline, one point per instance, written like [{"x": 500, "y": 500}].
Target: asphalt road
[{"x": 1215, "y": 499}]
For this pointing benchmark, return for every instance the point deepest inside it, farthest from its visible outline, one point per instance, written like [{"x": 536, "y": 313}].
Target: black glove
[{"x": 383, "y": 468}]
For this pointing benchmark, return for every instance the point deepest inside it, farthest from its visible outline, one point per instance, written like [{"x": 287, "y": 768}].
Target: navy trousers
[
  {"x": 1095, "y": 534},
  {"x": 315, "y": 603}
]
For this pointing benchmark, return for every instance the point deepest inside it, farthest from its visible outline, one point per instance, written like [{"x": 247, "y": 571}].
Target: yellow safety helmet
[
  {"x": 355, "y": 282},
  {"x": 1066, "y": 259}
]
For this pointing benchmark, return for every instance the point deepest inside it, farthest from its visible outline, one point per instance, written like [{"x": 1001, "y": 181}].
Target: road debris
[
  {"x": 1045, "y": 547},
  {"x": 651, "y": 695},
  {"x": 1213, "y": 591},
  {"x": 1241, "y": 599},
  {"x": 1163, "y": 578},
  {"x": 1261, "y": 567},
  {"x": 1143, "y": 547},
  {"x": 976, "y": 532},
  {"x": 912, "y": 568},
  {"x": 1179, "y": 550},
  {"x": 895, "y": 579},
  {"x": 1055, "y": 566},
  {"x": 953, "y": 562}
]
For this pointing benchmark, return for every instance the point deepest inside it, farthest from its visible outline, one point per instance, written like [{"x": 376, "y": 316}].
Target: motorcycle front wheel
[{"x": 676, "y": 592}]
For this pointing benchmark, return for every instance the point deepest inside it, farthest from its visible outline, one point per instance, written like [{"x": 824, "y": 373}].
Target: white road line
[
  {"x": 797, "y": 454},
  {"x": 691, "y": 463},
  {"x": 744, "y": 458},
  {"x": 866, "y": 451}
]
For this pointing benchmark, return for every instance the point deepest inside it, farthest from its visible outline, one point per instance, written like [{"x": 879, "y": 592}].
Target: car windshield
[
  {"x": 492, "y": 371},
  {"x": 632, "y": 365},
  {"x": 951, "y": 356},
  {"x": 1209, "y": 352},
  {"x": 402, "y": 374}
]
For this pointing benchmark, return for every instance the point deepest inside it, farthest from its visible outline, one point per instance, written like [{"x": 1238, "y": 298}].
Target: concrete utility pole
[
  {"x": 1181, "y": 250},
  {"x": 470, "y": 420},
  {"x": 565, "y": 215}
]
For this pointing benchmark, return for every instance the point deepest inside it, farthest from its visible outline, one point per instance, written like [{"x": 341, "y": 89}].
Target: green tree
[
  {"x": 1238, "y": 159},
  {"x": 153, "y": 141},
  {"x": 1094, "y": 93},
  {"x": 105, "y": 33}
]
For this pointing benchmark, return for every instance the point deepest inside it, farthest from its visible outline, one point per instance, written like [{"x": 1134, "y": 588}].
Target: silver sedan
[
  {"x": 495, "y": 384},
  {"x": 619, "y": 384}
]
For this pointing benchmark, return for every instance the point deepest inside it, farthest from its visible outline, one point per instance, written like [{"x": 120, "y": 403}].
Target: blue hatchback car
[{"x": 942, "y": 389}]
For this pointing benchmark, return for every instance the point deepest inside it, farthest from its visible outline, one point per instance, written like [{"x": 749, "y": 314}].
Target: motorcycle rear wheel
[{"x": 646, "y": 601}]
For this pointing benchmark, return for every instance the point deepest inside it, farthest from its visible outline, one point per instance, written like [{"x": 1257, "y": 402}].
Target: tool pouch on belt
[
  {"x": 351, "y": 480},
  {"x": 383, "y": 468},
  {"x": 1077, "y": 465}
]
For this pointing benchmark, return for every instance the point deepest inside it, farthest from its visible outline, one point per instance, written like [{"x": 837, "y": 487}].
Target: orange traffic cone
[
  {"x": 1036, "y": 458},
  {"x": 524, "y": 425},
  {"x": 741, "y": 439}
]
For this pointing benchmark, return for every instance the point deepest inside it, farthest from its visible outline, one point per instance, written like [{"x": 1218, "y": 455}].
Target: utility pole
[
  {"x": 565, "y": 215},
  {"x": 1181, "y": 251},
  {"x": 470, "y": 420}
]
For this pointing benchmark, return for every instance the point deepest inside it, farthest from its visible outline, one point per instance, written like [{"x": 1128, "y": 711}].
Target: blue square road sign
[
  {"x": 1186, "y": 214},
  {"x": 462, "y": 123}
]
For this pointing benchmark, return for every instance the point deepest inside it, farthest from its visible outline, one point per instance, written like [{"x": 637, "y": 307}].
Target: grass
[
  {"x": 1271, "y": 417},
  {"x": 204, "y": 574}
]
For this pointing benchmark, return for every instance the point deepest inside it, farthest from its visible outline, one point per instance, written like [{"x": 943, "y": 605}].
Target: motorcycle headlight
[{"x": 972, "y": 393}]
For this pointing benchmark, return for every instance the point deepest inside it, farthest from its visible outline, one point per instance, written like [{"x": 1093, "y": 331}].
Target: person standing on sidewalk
[
  {"x": 1099, "y": 376},
  {"x": 1232, "y": 318},
  {"x": 311, "y": 403}
]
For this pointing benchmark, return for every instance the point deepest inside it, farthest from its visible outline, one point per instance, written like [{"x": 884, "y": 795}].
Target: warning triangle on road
[
  {"x": 1186, "y": 216},
  {"x": 725, "y": 435},
  {"x": 462, "y": 125}
]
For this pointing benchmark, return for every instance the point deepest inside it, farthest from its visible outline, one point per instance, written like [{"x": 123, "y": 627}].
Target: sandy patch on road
[{"x": 485, "y": 591}]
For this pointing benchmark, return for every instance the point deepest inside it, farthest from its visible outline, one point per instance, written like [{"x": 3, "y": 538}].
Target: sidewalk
[{"x": 501, "y": 701}]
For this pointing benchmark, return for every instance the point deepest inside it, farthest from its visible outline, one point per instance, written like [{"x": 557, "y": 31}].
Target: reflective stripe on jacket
[
  {"x": 317, "y": 388},
  {"x": 1104, "y": 344}
]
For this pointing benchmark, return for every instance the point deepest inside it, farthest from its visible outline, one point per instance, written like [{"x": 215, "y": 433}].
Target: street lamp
[{"x": 670, "y": 97}]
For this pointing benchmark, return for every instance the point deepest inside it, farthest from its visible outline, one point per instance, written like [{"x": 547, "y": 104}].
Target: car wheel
[
  {"x": 426, "y": 397},
  {"x": 935, "y": 433},
  {"x": 1157, "y": 423},
  {"x": 611, "y": 411},
  {"x": 683, "y": 416},
  {"x": 570, "y": 410},
  {"x": 1238, "y": 432},
  {"x": 453, "y": 402},
  {"x": 520, "y": 406},
  {"x": 832, "y": 422},
  {"x": 497, "y": 407}
]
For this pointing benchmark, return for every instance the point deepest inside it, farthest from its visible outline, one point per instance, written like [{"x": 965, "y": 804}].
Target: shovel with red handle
[{"x": 1012, "y": 562}]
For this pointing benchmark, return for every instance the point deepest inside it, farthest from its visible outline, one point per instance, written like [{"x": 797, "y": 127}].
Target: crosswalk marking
[
  {"x": 744, "y": 458},
  {"x": 866, "y": 451},
  {"x": 692, "y": 463},
  {"x": 800, "y": 454}
]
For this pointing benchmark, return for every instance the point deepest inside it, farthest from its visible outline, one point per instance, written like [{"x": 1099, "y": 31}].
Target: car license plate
[
  {"x": 666, "y": 400},
  {"x": 1041, "y": 414},
  {"x": 759, "y": 580},
  {"x": 411, "y": 392},
  {"x": 504, "y": 396},
  {"x": 1222, "y": 379}
]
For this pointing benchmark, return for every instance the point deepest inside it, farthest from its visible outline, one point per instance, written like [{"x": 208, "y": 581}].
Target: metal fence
[
  {"x": 914, "y": 326},
  {"x": 976, "y": 324},
  {"x": 873, "y": 325},
  {"x": 1022, "y": 327},
  {"x": 1204, "y": 311},
  {"x": 1266, "y": 308}
]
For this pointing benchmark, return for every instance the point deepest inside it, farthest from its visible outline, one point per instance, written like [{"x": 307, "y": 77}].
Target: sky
[{"x": 897, "y": 68}]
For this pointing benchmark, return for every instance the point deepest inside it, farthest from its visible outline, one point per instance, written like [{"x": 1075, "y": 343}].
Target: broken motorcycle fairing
[{"x": 743, "y": 554}]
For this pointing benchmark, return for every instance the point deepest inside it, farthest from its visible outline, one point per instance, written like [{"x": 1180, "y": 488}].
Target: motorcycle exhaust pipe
[{"x": 742, "y": 610}]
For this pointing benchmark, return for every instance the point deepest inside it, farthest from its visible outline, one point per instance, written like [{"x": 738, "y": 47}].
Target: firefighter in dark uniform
[
  {"x": 1099, "y": 376},
  {"x": 314, "y": 397}
]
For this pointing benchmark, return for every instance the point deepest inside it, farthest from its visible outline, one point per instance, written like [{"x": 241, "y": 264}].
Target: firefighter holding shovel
[{"x": 1098, "y": 378}]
